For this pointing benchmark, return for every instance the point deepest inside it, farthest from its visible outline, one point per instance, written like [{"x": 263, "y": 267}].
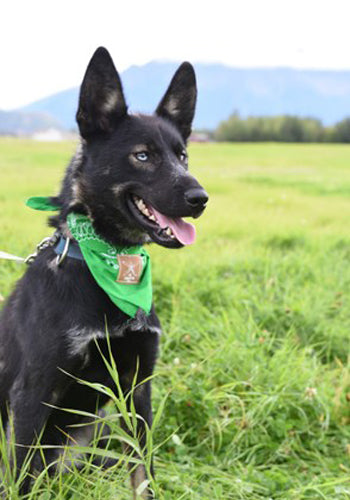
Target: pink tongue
[{"x": 184, "y": 231}]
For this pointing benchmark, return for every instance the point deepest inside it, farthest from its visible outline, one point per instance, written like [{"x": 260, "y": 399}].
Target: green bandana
[
  {"x": 41, "y": 203},
  {"x": 124, "y": 273}
]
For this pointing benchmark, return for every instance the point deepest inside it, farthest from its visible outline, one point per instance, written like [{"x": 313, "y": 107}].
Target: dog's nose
[{"x": 196, "y": 198}]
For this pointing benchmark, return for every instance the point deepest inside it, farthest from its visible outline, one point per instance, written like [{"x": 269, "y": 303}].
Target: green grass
[{"x": 254, "y": 361}]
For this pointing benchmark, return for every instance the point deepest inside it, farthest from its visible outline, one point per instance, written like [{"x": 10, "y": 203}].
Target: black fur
[{"x": 49, "y": 322}]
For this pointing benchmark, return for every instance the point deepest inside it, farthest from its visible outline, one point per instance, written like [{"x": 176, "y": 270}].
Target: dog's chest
[{"x": 79, "y": 337}]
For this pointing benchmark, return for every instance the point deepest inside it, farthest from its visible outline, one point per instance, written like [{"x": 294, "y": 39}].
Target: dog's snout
[{"x": 196, "y": 198}]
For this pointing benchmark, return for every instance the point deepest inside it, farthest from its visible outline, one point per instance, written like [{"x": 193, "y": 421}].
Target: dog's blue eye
[
  {"x": 183, "y": 156},
  {"x": 143, "y": 156}
]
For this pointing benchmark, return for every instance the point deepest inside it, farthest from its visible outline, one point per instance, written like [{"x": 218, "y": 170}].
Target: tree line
[{"x": 283, "y": 128}]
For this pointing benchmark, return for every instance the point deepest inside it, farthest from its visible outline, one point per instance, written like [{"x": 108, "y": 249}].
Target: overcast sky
[{"x": 45, "y": 45}]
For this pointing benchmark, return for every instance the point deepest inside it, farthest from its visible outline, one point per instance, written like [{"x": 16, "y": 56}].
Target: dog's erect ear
[
  {"x": 101, "y": 101},
  {"x": 179, "y": 101}
]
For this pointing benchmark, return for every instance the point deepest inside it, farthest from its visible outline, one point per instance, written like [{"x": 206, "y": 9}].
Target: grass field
[{"x": 254, "y": 360}]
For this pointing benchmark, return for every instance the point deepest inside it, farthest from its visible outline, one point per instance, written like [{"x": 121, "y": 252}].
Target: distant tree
[
  {"x": 342, "y": 131},
  {"x": 313, "y": 130},
  {"x": 233, "y": 129},
  {"x": 329, "y": 134},
  {"x": 281, "y": 128},
  {"x": 291, "y": 129}
]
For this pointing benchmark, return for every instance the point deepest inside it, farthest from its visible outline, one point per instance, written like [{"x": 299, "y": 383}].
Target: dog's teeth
[
  {"x": 145, "y": 211},
  {"x": 168, "y": 231},
  {"x": 172, "y": 236},
  {"x": 140, "y": 204}
]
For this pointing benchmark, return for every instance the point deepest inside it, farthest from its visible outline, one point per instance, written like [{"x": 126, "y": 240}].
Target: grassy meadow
[{"x": 254, "y": 368}]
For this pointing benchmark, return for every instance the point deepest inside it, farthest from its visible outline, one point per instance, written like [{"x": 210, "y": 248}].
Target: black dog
[{"x": 130, "y": 177}]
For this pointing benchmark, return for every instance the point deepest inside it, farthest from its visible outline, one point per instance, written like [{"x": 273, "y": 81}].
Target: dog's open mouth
[{"x": 164, "y": 230}]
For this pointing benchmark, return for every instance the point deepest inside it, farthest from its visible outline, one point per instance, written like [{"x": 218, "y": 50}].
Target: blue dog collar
[{"x": 73, "y": 249}]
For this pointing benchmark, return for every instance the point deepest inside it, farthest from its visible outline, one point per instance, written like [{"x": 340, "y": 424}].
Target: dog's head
[{"x": 131, "y": 175}]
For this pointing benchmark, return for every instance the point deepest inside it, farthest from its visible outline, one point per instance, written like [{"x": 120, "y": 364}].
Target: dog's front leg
[
  {"x": 141, "y": 396},
  {"x": 142, "y": 402},
  {"x": 29, "y": 414}
]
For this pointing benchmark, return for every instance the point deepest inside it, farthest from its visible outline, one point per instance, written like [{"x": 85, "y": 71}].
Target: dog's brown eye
[{"x": 142, "y": 156}]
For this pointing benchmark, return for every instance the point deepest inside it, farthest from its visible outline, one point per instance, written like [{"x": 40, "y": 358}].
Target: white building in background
[{"x": 49, "y": 135}]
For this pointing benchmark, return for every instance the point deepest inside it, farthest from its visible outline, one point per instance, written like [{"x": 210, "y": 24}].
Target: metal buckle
[
  {"x": 60, "y": 258},
  {"x": 49, "y": 241}
]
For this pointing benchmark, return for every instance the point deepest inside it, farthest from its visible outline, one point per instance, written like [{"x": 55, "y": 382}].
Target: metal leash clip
[
  {"x": 60, "y": 258},
  {"x": 49, "y": 241}
]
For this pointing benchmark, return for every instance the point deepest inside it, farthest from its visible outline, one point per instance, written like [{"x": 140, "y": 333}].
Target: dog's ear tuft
[
  {"x": 179, "y": 102},
  {"x": 101, "y": 101}
]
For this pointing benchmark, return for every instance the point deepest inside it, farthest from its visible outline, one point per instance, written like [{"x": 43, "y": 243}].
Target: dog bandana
[{"x": 124, "y": 273}]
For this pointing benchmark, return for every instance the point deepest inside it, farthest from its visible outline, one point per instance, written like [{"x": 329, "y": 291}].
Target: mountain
[
  {"x": 25, "y": 123},
  {"x": 223, "y": 90}
]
